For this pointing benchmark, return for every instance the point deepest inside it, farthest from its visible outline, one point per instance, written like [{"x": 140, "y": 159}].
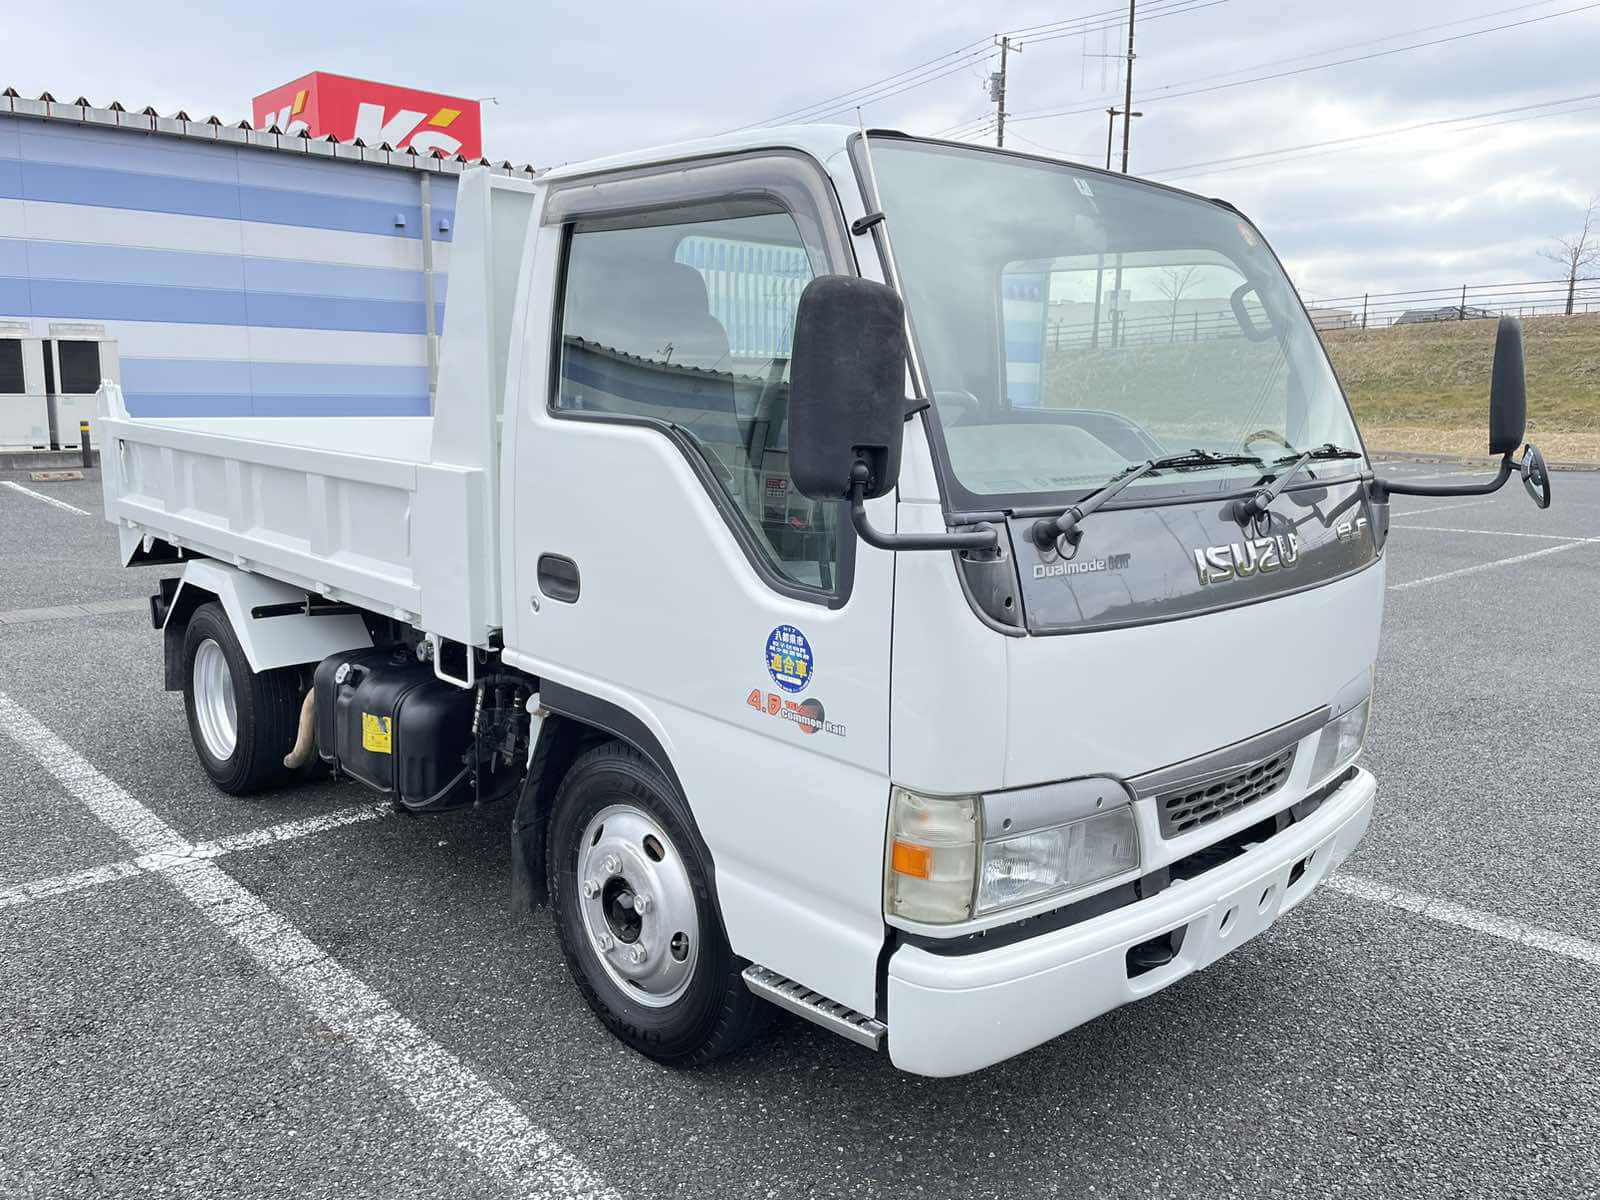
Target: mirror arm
[
  {"x": 1380, "y": 489},
  {"x": 984, "y": 537}
]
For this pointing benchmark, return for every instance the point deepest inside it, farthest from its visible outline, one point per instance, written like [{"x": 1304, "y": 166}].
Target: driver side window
[{"x": 690, "y": 322}]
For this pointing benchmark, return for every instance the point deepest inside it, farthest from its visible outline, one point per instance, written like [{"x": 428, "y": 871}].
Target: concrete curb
[
  {"x": 1469, "y": 460},
  {"x": 45, "y": 460}
]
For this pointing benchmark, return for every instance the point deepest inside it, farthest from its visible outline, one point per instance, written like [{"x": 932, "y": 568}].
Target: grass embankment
[{"x": 1425, "y": 388}]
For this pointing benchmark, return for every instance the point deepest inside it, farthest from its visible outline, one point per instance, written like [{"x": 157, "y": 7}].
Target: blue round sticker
[{"x": 789, "y": 660}]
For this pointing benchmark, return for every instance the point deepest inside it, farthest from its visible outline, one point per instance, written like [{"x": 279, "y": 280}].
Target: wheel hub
[
  {"x": 638, "y": 906},
  {"x": 215, "y": 709}
]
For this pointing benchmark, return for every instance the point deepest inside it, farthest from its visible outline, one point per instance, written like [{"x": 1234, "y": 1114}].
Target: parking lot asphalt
[{"x": 379, "y": 1021}]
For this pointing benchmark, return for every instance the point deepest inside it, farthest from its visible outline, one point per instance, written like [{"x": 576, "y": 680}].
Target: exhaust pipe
[{"x": 305, "y": 742}]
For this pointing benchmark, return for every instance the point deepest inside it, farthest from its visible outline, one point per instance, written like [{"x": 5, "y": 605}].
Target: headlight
[
  {"x": 1340, "y": 742},
  {"x": 954, "y": 857}
]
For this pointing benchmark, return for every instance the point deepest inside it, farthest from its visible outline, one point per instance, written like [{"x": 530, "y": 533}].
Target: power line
[
  {"x": 943, "y": 65},
  {"x": 1389, "y": 37},
  {"x": 1188, "y": 6},
  {"x": 980, "y": 46},
  {"x": 1335, "y": 145},
  {"x": 891, "y": 85},
  {"x": 1041, "y": 116}
]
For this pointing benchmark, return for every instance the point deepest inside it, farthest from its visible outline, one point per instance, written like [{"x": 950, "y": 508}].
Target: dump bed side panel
[{"x": 398, "y": 537}]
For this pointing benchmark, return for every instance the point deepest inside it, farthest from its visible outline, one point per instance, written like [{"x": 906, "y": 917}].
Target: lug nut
[
  {"x": 612, "y": 864},
  {"x": 604, "y": 942},
  {"x": 636, "y": 954},
  {"x": 641, "y": 904},
  {"x": 590, "y": 889}
]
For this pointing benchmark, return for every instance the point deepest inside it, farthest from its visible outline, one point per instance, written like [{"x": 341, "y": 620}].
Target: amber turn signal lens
[{"x": 908, "y": 859}]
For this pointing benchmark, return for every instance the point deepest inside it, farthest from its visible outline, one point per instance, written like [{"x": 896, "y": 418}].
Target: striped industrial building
[{"x": 213, "y": 269}]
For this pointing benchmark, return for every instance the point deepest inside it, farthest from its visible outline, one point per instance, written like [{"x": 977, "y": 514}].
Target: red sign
[{"x": 319, "y": 104}]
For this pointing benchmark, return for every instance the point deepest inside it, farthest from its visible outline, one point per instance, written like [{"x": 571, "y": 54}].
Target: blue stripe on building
[
  {"x": 186, "y": 404},
  {"x": 71, "y": 300},
  {"x": 81, "y": 262},
  {"x": 191, "y": 376}
]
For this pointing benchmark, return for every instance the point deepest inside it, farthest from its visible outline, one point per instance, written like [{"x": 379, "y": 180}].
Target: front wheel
[
  {"x": 632, "y": 899},
  {"x": 242, "y": 722}
]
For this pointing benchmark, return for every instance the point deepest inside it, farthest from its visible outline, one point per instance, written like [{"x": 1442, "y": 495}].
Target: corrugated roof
[{"x": 214, "y": 129}]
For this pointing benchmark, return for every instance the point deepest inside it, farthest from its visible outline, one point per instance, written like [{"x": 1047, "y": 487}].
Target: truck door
[{"x": 668, "y": 576}]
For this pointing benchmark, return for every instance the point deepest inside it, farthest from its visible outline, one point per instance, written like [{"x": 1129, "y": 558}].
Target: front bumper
[{"x": 949, "y": 1014}]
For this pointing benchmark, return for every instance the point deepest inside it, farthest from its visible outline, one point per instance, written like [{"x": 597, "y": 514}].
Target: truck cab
[{"x": 928, "y": 588}]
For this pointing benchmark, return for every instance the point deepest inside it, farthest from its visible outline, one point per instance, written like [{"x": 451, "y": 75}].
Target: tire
[
  {"x": 613, "y": 810},
  {"x": 264, "y": 714}
]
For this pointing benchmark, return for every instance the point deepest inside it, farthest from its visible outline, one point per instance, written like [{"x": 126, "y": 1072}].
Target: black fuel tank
[{"x": 384, "y": 719}]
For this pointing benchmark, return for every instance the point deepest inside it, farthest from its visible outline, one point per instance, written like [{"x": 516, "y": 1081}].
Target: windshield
[{"x": 1072, "y": 323}]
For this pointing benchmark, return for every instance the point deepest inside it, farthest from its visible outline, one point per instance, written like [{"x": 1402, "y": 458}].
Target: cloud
[{"x": 577, "y": 80}]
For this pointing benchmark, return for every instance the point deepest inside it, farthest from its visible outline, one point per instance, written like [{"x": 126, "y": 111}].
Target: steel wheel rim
[
  {"x": 651, "y": 954},
  {"x": 215, "y": 709}
]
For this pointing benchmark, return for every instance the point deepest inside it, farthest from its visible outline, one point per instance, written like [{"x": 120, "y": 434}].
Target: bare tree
[
  {"x": 1172, "y": 283},
  {"x": 1575, "y": 255}
]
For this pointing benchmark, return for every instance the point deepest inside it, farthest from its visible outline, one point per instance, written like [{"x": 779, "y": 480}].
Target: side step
[{"x": 813, "y": 1006}]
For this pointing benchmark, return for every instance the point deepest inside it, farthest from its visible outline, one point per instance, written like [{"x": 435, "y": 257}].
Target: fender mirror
[
  {"x": 1508, "y": 415},
  {"x": 847, "y": 405}
]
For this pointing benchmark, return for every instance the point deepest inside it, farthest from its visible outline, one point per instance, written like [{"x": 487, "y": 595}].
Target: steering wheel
[
  {"x": 1265, "y": 435},
  {"x": 956, "y": 407}
]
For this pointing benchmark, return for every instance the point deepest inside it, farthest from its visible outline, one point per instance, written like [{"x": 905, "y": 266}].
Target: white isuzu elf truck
[{"x": 929, "y": 588}]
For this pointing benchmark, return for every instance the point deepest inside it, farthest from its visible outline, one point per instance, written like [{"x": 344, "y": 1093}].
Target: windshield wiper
[
  {"x": 1047, "y": 530},
  {"x": 1248, "y": 508}
]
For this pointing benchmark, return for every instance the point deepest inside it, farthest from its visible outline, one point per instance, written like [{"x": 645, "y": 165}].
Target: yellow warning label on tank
[{"x": 375, "y": 734}]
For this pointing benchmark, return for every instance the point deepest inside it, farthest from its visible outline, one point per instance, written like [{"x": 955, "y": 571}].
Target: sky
[{"x": 1457, "y": 201}]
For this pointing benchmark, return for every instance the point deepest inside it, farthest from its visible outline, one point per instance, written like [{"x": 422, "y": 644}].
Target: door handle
[{"x": 558, "y": 578}]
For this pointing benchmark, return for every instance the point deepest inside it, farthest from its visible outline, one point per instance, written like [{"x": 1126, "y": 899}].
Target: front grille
[{"x": 1187, "y": 808}]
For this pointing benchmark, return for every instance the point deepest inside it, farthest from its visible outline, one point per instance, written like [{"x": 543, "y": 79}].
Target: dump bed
[{"x": 398, "y": 515}]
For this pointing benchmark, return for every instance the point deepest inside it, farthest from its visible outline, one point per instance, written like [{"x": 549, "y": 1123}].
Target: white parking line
[
  {"x": 439, "y": 1086},
  {"x": 1544, "y": 537},
  {"x": 1449, "y": 912},
  {"x": 17, "y": 487},
  {"x": 1423, "y": 512},
  {"x": 166, "y": 860},
  {"x": 1486, "y": 566}
]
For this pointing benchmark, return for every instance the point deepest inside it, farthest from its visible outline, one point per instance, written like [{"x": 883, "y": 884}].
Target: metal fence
[
  {"x": 1155, "y": 322},
  {"x": 1148, "y": 324},
  {"x": 1458, "y": 302}
]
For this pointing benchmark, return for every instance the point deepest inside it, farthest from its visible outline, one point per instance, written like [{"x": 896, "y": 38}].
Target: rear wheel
[
  {"x": 242, "y": 723},
  {"x": 632, "y": 898}
]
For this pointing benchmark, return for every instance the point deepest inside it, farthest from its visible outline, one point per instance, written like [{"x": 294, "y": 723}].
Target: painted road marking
[
  {"x": 67, "y": 612},
  {"x": 1488, "y": 566},
  {"x": 1544, "y": 537},
  {"x": 1448, "y": 912},
  {"x": 166, "y": 860},
  {"x": 444, "y": 1090},
  {"x": 1423, "y": 512},
  {"x": 17, "y": 487}
]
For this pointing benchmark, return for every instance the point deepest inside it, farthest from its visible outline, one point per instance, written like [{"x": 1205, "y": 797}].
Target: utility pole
[
  {"x": 997, "y": 90},
  {"x": 1127, "y": 94},
  {"x": 1111, "y": 124}
]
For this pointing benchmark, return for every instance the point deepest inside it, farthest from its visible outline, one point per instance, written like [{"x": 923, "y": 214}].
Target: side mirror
[
  {"x": 847, "y": 408},
  {"x": 846, "y": 387},
  {"x": 1508, "y": 396},
  {"x": 1508, "y": 419}
]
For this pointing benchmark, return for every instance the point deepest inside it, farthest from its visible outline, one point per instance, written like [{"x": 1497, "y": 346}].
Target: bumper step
[{"x": 786, "y": 993}]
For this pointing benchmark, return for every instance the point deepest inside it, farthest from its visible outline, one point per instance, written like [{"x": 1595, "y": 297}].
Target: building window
[
  {"x": 80, "y": 367},
  {"x": 11, "y": 382}
]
